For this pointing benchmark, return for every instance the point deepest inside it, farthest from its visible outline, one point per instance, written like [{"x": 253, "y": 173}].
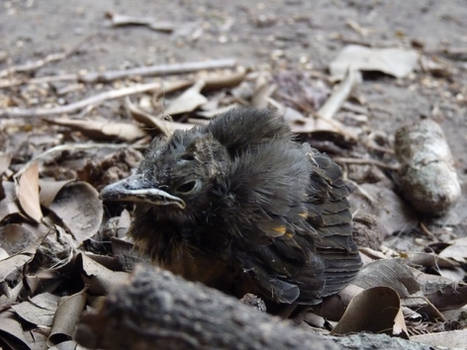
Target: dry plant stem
[
  {"x": 156, "y": 70},
  {"x": 339, "y": 95},
  {"x": 426, "y": 231},
  {"x": 362, "y": 161},
  {"x": 79, "y": 105}
]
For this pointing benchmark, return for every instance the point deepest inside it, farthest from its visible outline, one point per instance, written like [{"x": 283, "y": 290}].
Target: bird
[{"x": 240, "y": 205}]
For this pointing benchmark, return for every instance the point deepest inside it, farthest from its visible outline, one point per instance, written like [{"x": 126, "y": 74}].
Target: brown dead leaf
[
  {"x": 27, "y": 192},
  {"x": 376, "y": 310},
  {"x": 16, "y": 238},
  {"x": 40, "y": 310},
  {"x": 456, "y": 251},
  {"x": 8, "y": 206},
  {"x": 15, "y": 262},
  {"x": 78, "y": 206},
  {"x": 67, "y": 315},
  {"x": 188, "y": 101},
  {"x": 101, "y": 129},
  {"x": 156, "y": 125},
  {"x": 49, "y": 190},
  {"x": 99, "y": 279},
  {"x": 391, "y": 273},
  {"x": 5, "y": 160},
  {"x": 393, "y": 61},
  {"x": 11, "y": 331},
  {"x": 450, "y": 339}
]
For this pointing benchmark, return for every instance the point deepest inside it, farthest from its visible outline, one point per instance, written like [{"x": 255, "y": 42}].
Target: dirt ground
[
  {"x": 275, "y": 36},
  {"x": 297, "y": 34}
]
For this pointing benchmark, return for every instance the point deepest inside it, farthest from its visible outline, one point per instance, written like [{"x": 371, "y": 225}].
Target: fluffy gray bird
[{"x": 240, "y": 206}]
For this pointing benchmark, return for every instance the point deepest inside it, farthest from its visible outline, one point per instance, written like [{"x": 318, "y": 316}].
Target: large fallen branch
[{"x": 160, "y": 311}]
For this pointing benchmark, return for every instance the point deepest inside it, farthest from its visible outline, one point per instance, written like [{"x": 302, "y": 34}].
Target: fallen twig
[
  {"x": 79, "y": 105},
  {"x": 362, "y": 161},
  {"x": 163, "y": 69},
  {"x": 339, "y": 95}
]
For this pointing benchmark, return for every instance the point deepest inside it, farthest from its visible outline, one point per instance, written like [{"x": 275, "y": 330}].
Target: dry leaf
[
  {"x": 374, "y": 310},
  {"x": 8, "y": 206},
  {"x": 80, "y": 209},
  {"x": 27, "y": 192},
  {"x": 14, "y": 263},
  {"x": 99, "y": 279},
  {"x": 40, "y": 310},
  {"x": 154, "y": 123},
  {"x": 49, "y": 190},
  {"x": 12, "y": 330},
  {"x": 5, "y": 160},
  {"x": 456, "y": 251},
  {"x": 188, "y": 101},
  {"x": 392, "y": 273},
  {"x": 102, "y": 130},
  {"x": 16, "y": 238},
  {"x": 68, "y": 313},
  {"x": 392, "y": 61}
]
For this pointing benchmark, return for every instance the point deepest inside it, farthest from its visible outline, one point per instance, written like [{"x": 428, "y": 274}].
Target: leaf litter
[{"x": 61, "y": 247}]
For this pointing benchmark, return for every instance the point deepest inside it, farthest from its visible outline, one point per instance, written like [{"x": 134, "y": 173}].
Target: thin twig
[
  {"x": 339, "y": 95},
  {"x": 108, "y": 76},
  {"x": 362, "y": 161},
  {"x": 79, "y": 105},
  {"x": 156, "y": 70},
  {"x": 427, "y": 232}
]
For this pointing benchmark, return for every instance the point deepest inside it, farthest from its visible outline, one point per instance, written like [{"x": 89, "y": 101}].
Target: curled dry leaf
[
  {"x": 391, "y": 273},
  {"x": 16, "y": 238},
  {"x": 376, "y": 310},
  {"x": 456, "y": 251},
  {"x": 11, "y": 329},
  {"x": 393, "y": 61},
  {"x": 188, "y": 101},
  {"x": 101, "y": 129},
  {"x": 8, "y": 206},
  {"x": 27, "y": 192},
  {"x": 49, "y": 190},
  {"x": 156, "y": 125},
  {"x": 78, "y": 206},
  {"x": 40, "y": 310},
  {"x": 99, "y": 279},
  {"x": 67, "y": 315},
  {"x": 5, "y": 160}
]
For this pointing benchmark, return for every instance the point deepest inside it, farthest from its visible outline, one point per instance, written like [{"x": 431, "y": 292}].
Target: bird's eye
[{"x": 188, "y": 187}]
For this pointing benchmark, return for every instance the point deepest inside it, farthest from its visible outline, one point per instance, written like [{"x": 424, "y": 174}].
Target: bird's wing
[{"x": 329, "y": 215}]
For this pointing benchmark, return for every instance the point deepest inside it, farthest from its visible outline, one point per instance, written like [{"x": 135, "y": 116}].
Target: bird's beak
[{"x": 136, "y": 189}]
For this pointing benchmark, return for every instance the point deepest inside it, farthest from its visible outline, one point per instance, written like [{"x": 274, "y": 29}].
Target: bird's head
[{"x": 176, "y": 177}]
